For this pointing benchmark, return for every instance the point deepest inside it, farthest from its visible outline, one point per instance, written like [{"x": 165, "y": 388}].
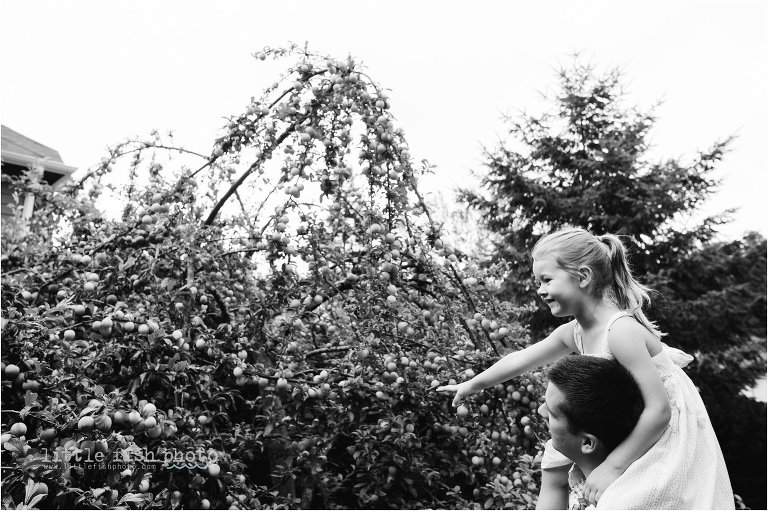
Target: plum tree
[{"x": 277, "y": 310}]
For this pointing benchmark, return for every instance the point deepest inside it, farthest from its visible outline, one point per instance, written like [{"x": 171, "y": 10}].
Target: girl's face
[{"x": 558, "y": 288}]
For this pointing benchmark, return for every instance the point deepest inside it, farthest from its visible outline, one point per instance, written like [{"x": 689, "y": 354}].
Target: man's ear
[
  {"x": 589, "y": 443},
  {"x": 585, "y": 277}
]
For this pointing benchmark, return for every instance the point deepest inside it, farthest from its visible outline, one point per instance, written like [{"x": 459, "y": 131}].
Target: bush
[{"x": 278, "y": 354}]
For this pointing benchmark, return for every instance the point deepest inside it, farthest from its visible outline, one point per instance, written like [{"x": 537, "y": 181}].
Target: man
[{"x": 591, "y": 405}]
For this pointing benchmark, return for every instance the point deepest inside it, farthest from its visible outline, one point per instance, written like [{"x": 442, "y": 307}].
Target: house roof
[
  {"x": 19, "y": 151},
  {"x": 17, "y": 143}
]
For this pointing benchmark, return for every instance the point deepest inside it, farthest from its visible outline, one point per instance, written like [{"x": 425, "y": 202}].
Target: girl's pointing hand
[{"x": 462, "y": 390}]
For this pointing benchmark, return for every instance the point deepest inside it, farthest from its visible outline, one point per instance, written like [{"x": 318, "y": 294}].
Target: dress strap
[
  {"x": 611, "y": 321},
  {"x": 577, "y": 337}
]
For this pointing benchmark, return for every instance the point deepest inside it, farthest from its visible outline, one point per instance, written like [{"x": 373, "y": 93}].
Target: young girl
[{"x": 673, "y": 447}]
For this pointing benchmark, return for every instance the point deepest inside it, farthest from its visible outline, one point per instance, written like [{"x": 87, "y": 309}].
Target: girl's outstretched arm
[
  {"x": 556, "y": 345},
  {"x": 626, "y": 342}
]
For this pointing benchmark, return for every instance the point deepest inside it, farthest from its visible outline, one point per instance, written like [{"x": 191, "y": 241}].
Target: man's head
[{"x": 591, "y": 403}]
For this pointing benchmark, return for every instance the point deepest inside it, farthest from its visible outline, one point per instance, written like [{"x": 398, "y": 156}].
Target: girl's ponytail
[{"x": 625, "y": 290}]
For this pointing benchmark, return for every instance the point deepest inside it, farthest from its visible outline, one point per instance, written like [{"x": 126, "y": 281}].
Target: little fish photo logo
[{"x": 97, "y": 457}]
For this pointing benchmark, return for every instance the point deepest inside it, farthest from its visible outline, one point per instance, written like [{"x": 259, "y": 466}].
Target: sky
[{"x": 79, "y": 76}]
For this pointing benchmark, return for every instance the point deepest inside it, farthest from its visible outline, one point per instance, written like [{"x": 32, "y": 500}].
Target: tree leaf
[
  {"x": 31, "y": 462},
  {"x": 37, "y": 498},
  {"x": 30, "y": 398},
  {"x": 31, "y": 489},
  {"x": 134, "y": 497},
  {"x": 130, "y": 262}
]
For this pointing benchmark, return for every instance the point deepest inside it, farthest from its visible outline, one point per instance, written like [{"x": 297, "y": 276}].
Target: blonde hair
[{"x": 607, "y": 258}]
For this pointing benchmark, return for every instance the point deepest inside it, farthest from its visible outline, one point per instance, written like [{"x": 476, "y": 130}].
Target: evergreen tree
[{"x": 585, "y": 164}]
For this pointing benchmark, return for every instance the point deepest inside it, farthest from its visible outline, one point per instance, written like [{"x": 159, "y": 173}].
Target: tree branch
[{"x": 241, "y": 179}]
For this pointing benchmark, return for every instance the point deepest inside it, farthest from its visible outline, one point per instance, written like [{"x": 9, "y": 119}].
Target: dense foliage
[
  {"x": 269, "y": 325},
  {"x": 585, "y": 164}
]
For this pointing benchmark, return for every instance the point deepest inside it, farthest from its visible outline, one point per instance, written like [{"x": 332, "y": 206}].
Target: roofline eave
[{"x": 25, "y": 159}]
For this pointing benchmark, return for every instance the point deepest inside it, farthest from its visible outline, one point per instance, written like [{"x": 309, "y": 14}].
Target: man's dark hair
[{"x": 600, "y": 397}]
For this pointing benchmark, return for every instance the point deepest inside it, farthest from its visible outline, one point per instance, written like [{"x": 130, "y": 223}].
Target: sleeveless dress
[{"x": 685, "y": 469}]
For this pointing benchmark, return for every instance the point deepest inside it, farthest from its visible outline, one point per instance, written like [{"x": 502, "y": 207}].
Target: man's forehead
[{"x": 553, "y": 396}]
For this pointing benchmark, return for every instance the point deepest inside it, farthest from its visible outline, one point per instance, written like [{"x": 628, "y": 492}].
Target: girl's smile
[{"x": 549, "y": 301}]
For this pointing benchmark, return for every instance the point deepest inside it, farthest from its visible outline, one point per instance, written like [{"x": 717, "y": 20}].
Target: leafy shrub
[{"x": 268, "y": 325}]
